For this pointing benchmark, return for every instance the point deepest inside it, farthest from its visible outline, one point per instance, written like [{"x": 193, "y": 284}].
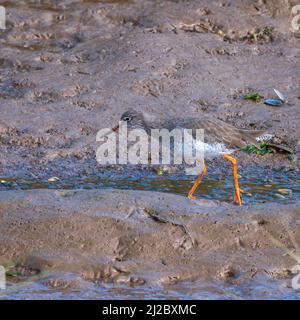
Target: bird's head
[{"x": 133, "y": 119}]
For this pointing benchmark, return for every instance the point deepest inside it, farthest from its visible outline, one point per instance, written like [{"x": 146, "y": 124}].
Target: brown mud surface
[
  {"x": 145, "y": 239},
  {"x": 69, "y": 68}
]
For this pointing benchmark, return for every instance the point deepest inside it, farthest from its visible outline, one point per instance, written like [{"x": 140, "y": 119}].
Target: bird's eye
[{"x": 126, "y": 119}]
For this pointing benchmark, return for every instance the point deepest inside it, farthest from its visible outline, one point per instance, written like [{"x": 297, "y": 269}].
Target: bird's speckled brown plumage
[{"x": 215, "y": 130}]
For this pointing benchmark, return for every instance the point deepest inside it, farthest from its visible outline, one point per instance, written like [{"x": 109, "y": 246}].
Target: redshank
[{"x": 221, "y": 137}]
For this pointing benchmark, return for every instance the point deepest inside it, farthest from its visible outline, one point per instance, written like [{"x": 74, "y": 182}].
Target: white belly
[{"x": 213, "y": 150}]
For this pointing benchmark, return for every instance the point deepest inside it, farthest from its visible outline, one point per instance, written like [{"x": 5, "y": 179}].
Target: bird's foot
[
  {"x": 191, "y": 197},
  {"x": 237, "y": 199}
]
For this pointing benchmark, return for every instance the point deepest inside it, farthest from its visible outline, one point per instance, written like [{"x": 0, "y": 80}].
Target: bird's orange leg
[
  {"x": 197, "y": 182},
  {"x": 237, "y": 195}
]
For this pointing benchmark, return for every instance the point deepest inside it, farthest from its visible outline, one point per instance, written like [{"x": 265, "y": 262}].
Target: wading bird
[{"x": 220, "y": 139}]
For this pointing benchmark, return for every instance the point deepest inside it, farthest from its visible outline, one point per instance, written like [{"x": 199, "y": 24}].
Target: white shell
[{"x": 280, "y": 95}]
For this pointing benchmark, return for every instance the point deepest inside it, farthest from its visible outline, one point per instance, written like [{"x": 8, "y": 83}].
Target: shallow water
[
  {"x": 257, "y": 189},
  {"x": 81, "y": 289}
]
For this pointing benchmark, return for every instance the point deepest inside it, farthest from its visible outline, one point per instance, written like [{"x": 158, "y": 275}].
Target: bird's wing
[
  {"x": 251, "y": 135},
  {"x": 218, "y": 131}
]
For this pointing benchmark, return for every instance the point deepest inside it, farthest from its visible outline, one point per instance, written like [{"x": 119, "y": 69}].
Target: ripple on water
[
  {"x": 81, "y": 289},
  {"x": 256, "y": 190}
]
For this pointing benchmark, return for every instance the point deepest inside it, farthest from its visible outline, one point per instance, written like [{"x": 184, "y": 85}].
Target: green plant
[
  {"x": 253, "y": 97},
  {"x": 268, "y": 31},
  {"x": 262, "y": 150}
]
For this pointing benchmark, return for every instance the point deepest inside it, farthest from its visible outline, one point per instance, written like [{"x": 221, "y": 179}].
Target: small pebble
[
  {"x": 53, "y": 179},
  {"x": 285, "y": 191},
  {"x": 159, "y": 172},
  {"x": 279, "y": 196}
]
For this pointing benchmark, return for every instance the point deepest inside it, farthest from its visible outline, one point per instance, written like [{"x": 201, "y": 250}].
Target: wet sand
[
  {"x": 70, "y": 68},
  {"x": 145, "y": 239}
]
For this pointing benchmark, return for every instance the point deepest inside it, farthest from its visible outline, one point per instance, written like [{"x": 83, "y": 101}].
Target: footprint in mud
[
  {"x": 111, "y": 274},
  {"x": 12, "y": 90},
  {"x": 58, "y": 283},
  {"x": 87, "y": 105},
  {"x": 148, "y": 87},
  {"x": 75, "y": 91}
]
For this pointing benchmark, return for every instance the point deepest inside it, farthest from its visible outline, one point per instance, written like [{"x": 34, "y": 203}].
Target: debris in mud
[
  {"x": 226, "y": 273},
  {"x": 279, "y": 148},
  {"x": 280, "y": 273},
  {"x": 185, "y": 243},
  {"x": 45, "y": 96},
  {"x": 285, "y": 191},
  {"x": 258, "y": 35},
  {"x": 276, "y": 102},
  {"x": 61, "y": 284},
  {"x": 169, "y": 280},
  {"x": 111, "y": 274},
  {"x": 253, "y": 97},
  {"x": 103, "y": 274},
  {"x": 262, "y": 150},
  {"x": 279, "y": 196},
  {"x": 19, "y": 272},
  {"x": 153, "y": 30},
  {"x": 87, "y": 105},
  {"x": 159, "y": 172},
  {"x": 53, "y": 179},
  {"x": 200, "y": 104},
  {"x": 205, "y": 11},
  {"x": 280, "y": 95},
  {"x": 205, "y": 25},
  {"x": 273, "y": 102},
  {"x": 129, "y": 280}
]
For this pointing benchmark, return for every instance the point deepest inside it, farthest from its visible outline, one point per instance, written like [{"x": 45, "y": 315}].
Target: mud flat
[
  {"x": 144, "y": 239},
  {"x": 70, "y": 68}
]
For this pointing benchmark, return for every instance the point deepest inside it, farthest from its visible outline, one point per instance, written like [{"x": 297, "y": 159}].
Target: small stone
[
  {"x": 169, "y": 280},
  {"x": 159, "y": 172},
  {"x": 53, "y": 179},
  {"x": 128, "y": 280},
  {"x": 279, "y": 196},
  {"x": 261, "y": 222},
  {"x": 293, "y": 157},
  {"x": 226, "y": 273},
  {"x": 285, "y": 191}
]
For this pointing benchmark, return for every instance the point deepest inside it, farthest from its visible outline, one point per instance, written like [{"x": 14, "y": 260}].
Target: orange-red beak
[{"x": 116, "y": 128}]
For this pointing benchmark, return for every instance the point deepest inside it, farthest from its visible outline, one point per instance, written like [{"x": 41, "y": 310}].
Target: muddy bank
[
  {"x": 137, "y": 238},
  {"x": 70, "y": 68}
]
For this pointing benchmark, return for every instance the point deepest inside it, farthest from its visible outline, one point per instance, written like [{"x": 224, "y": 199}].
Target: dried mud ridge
[
  {"x": 70, "y": 68},
  {"x": 137, "y": 238}
]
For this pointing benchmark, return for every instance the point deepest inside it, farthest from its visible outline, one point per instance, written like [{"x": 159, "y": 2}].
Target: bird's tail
[{"x": 255, "y": 136}]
